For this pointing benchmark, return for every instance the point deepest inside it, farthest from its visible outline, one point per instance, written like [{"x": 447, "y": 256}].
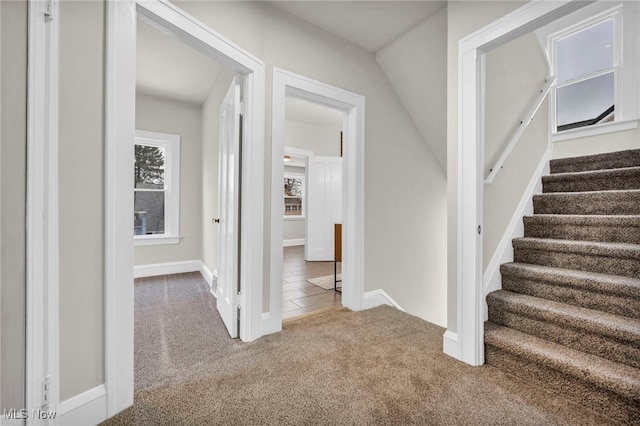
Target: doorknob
[{"x": 215, "y": 220}]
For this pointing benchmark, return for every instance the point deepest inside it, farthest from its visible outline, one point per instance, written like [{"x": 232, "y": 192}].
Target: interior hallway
[{"x": 298, "y": 295}]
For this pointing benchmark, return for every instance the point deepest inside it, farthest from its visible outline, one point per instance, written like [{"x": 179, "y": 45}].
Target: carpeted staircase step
[
  {"x": 611, "y": 160},
  {"x": 611, "y": 387},
  {"x": 623, "y": 202},
  {"x": 604, "y": 258},
  {"x": 607, "y": 293},
  {"x": 603, "y": 228},
  {"x": 609, "y": 336},
  {"x": 593, "y": 180}
]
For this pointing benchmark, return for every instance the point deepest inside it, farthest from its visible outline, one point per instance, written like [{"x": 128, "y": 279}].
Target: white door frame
[
  {"x": 285, "y": 84},
  {"x": 122, "y": 16},
  {"x": 467, "y": 343}
]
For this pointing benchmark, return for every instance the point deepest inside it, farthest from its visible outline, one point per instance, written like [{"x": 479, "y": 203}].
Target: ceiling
[
  {"x": 371, "y": 25},
  {"x": 168, "y": 68}
]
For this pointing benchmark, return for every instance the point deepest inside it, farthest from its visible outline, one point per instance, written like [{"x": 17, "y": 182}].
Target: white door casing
[
  {"x": 229, "y": 226},
  {"x": 324, "y": 206},
  {"x": 122, "y": 16}
]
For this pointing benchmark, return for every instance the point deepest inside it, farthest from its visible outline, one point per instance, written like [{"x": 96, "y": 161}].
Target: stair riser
[
  {"x": 605, "y": 203},
  {"x": 579, "y": 262},
  {"x": 617, "y": 407},
  {"x": 592, "y": 184},
  {"x": 609, "y": 161},
  {"x": 618, "y": 305},
  {"x": 605, "y": 234},
  {"x": 586, "y": 341}
]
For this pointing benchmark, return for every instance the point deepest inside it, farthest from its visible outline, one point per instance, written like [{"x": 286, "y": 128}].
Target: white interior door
[
  {"x": 324, "y": 206},
  {"x": 229, "y": 208}
]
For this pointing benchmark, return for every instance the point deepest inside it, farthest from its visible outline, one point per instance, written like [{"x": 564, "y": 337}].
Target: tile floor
[{"x": 298, "y": 295}]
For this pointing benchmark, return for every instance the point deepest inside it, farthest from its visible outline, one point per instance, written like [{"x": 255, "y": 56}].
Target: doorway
[
  {"x": 120, "y": 100},
  {"x": 289, "y": 85},
  {"x": 313, "y": 188}
]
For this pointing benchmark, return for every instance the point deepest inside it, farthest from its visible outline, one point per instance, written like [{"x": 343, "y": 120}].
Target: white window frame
[
  {"x": 303, "y": 177},
  {"x": 171, "y": 145},
  {"x": 625, "y": 64}
]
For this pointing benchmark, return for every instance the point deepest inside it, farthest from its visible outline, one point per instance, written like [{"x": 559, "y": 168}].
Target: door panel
[
  {"x": 324, "y": 206},
  {"x": 228, "y": 181}
]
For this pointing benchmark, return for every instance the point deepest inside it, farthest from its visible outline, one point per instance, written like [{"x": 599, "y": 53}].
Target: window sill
[
  {"x": 152, "y": 240},
  {"x": 600, "y": 129},
  {"x": 294, "y": 218}
]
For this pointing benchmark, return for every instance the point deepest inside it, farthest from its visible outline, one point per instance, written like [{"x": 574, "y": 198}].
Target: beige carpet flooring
[{"x": 379, "y": 366}]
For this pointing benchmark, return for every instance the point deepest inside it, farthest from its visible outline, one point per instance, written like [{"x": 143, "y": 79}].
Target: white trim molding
[
  {"x": 121, "y": 24},
  {"x": 42, "y": 326},
  {"x": 285, "y": 84},
  {"x": 167, "y": 268},
  {"x": 87, "y": 408},
  {"x": 373, "y": 298},
  {"x": 293, "y": 242},
  {"x": 471, "y": 51}
]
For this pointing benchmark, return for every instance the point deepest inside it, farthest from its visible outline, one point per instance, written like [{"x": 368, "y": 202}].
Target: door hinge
[
  {"x": 242, "y": 107},
  {"x": 46, "y": 390},
  {"x": 479, "y": 229},
  {"x": 50, "y": 10}
]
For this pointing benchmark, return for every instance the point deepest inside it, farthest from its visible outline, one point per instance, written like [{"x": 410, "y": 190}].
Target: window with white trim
[
  {"x": 156, "y": 215},
  {"x": 595, "y": 55}
]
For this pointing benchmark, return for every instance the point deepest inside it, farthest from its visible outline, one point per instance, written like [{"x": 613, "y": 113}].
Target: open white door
[
  {"x": 324, "y": 206},
  {"x": 229, "y": 171}
]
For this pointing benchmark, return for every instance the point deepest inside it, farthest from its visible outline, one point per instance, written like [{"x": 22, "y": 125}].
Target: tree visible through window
[
  {"x": 149, "y": 198},
  {"x": 156, "y": 188},
  {"x": 294, "y": 196}
]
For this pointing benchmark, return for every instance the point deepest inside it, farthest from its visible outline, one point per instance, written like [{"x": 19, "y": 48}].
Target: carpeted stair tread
[
  {"x": 614, "y": 337},
  {"x": 628, "y": 287},
  {"x": 603, "y": 228},
  {"x": 593, "y": 180},
  {"x": 617, "y": 202},
  {"x": 597, "y": 372},
  {"x": 610, "y": 160},
  {"x": 588, "y": 256}
]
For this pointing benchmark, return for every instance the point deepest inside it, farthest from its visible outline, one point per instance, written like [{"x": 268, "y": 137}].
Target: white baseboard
[
  {"x": 156, "y": 269},
  {"x": 88, "y": 408},
  {"x": 293, "y": 242},
  {"x": 492, "y": 280},
  {"x": 450, "y": 344},
  {"x": 371, "y": 299},
  {"x": 208, "y": 276}
]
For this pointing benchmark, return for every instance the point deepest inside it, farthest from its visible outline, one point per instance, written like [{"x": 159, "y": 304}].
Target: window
[
  {"x": 586, "y": 69},
  {"x": 294, "y": 204},
  {"x": 156, "y": 215},
  {"x": 594, "y": 53}
]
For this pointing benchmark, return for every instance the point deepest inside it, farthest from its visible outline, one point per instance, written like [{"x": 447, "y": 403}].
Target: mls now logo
[{"x": 23, "y": 414}]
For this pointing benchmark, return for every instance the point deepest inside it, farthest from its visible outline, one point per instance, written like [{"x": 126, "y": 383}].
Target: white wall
[
  {"x": 321, "y": 139},
  {"x": 515, "y": 73},
  {"x": 463, "y": 19},
  {"x": 405, "y": 190},
  {"x": 415, "y": 66},
  {"x": 209, "y": 164},
  {"x": 13, "y": 148},
  {"x": 184, "y": 119},
  {"x": 81, "y": 178},
  {"x": 629, "y": 139}
]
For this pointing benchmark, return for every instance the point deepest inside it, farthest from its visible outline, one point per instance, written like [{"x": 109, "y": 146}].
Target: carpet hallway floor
[{"x": 379, "y": 366}]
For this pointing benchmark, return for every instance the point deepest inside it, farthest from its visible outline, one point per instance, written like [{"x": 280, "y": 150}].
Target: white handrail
[{"x": 520, "y": 130}]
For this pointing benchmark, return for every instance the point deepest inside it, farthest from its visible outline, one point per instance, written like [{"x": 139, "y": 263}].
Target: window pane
[
  {"x": 149, "y": 167},
  {"x": 148, "y": 218},
  {"x": 586, "y": 100},
  {"x": 293, "y": 196},
  {"x": 585, "y": 52}
]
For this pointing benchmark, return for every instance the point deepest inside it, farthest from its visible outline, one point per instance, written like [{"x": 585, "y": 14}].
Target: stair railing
[{"x": 521, "y": 128}]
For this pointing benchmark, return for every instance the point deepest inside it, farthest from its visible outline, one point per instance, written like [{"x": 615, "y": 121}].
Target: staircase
[{"x": 568, "y": 314}]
